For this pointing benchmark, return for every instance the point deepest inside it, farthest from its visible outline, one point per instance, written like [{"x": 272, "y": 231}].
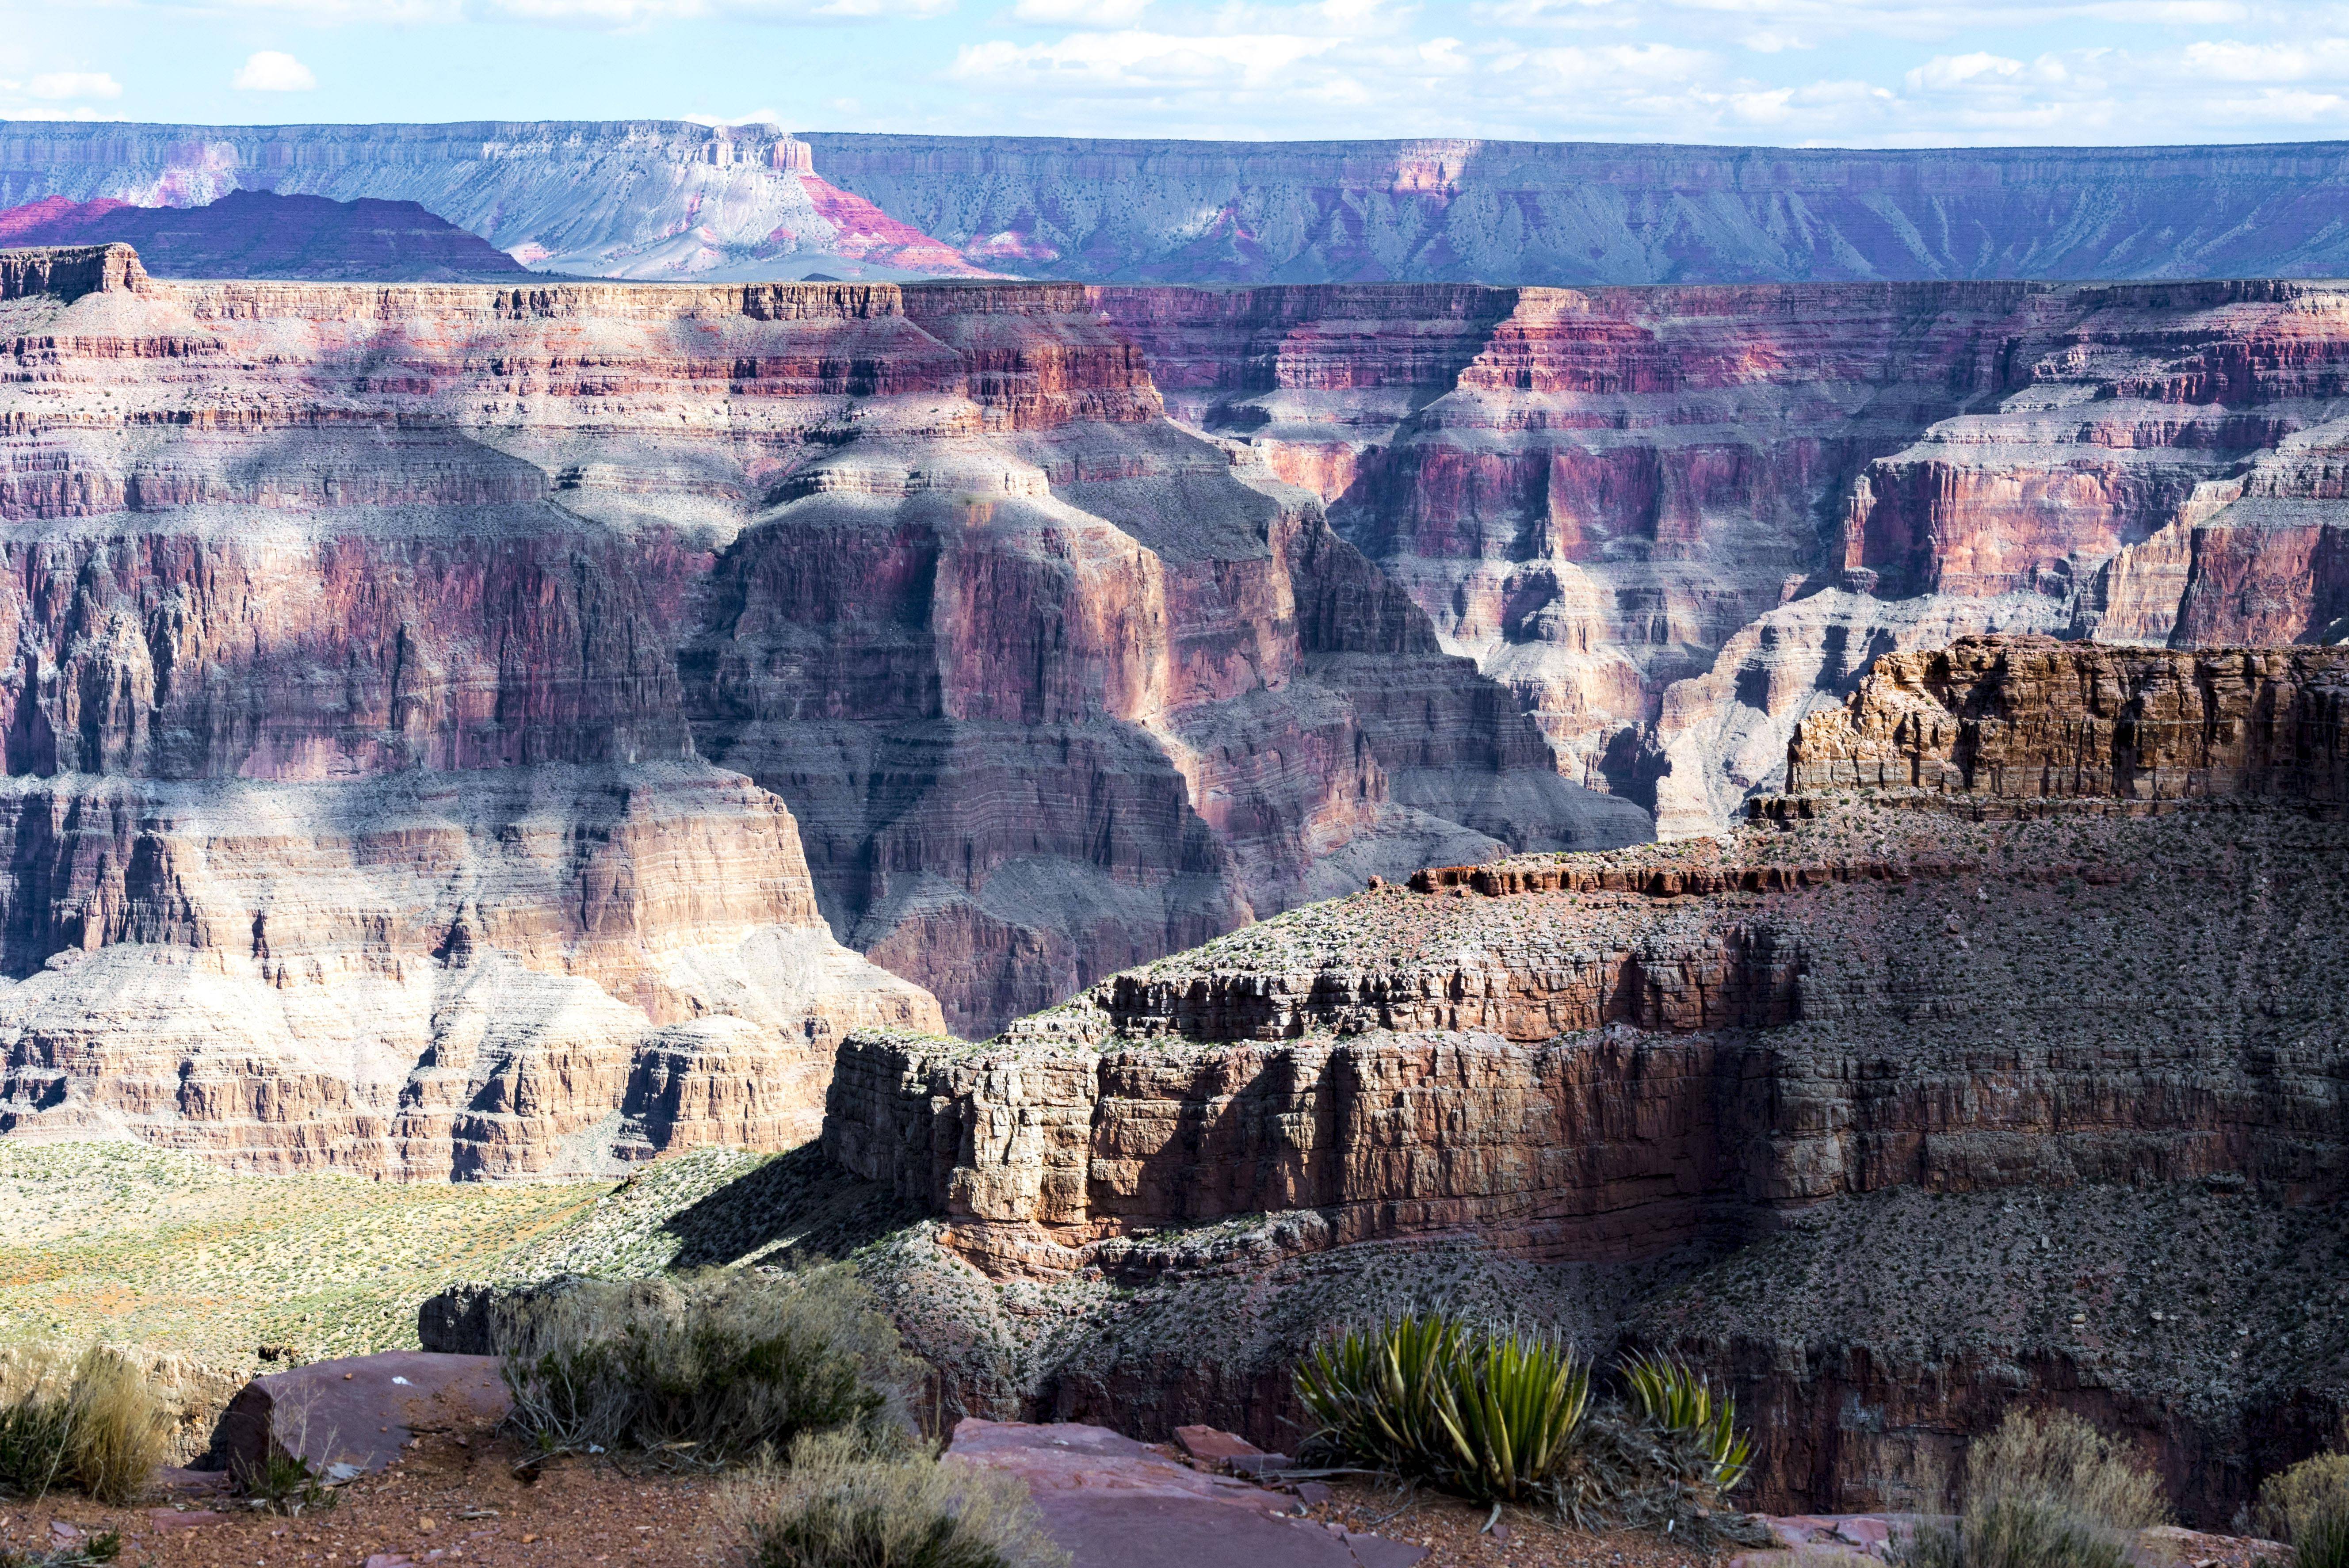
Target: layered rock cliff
[
  {"x": 2026, "y": 1081},
  {"x": 1675, "y": 521},
  {"x": 1584, "y": 212},
  {"x": 451, "y": 729},
  {"x": 636, "y": 199}
]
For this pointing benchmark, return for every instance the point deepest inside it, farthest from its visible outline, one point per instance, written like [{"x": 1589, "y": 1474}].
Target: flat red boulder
[{"x": 358, "y": 1412}]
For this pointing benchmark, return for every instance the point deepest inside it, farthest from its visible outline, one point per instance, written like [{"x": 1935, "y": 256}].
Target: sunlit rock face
[
  {"x": 462, "y": 730},
  {"x": 1673, "y": 520}
]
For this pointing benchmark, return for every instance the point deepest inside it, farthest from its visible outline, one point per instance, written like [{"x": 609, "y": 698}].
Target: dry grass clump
[
  {"x": 96, "y": 1424},
  {"x": 870, "y": 1498},
  {"x": 723, "y": 1370},
  {"x": 2047, "y": 1491},
  {"x": 2320, "y": 1537}
]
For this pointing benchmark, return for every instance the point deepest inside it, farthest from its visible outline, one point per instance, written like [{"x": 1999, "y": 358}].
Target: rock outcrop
[
  {"x": 1888, "y": 1108},
  {"x": 447, "y": 728},
  {"x": 2015, "y": 722}
]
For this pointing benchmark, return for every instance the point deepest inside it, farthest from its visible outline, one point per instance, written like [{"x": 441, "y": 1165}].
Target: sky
[{"x": 1892, "y": 73}]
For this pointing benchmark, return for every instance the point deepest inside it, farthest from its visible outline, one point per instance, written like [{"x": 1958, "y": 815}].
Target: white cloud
[
  {"x": 54, "y": 86},
  {"x": 641, "y": 12},
  {"x": 272, "y": 71},
  {"x": 1136, "y": 61},
  {"x": 1081, "y": 13},
  {"x": 2231, "y": 60},
  {"x": 1944, "y": 72}
]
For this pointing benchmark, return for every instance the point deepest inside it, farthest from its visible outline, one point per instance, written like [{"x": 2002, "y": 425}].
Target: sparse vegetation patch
[
  {"x": 855, "y": 1498},
  {"x": 726, "y": 1368}
]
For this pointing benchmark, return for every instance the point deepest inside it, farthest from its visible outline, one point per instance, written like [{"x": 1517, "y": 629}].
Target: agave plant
[
  {"x": 1488, "y": 1411},
  {"x": 1372, "y": 1392},
  {"x": 1510, "y": 1406},
  {"x": 1671, "y": 1396}
]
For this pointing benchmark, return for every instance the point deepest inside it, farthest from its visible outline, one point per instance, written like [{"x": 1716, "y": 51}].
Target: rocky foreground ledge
[{"x": 1890, "y": 1116}]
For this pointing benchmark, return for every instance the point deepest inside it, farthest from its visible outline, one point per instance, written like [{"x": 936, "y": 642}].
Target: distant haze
[{"x": 680, "y": 201}]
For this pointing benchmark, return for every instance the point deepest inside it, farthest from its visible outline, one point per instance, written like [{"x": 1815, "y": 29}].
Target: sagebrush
[
  {"x": 717, "y": 1370},
  {"x": 2291, "y": 1498},
  {"x": 94, "y": 1423},
  {"x": 870, "y": 1498},
  {"x": 2320, "y": 1537},
  {"x": 2044, "y": 1491}
]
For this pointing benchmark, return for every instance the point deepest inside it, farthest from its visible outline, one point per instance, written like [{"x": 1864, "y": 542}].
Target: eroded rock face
[
  {"x": 1889, "y": 1110},
  {"x": 2000, "y": 721},
  {"x": 380, "y": 656},
  {"x": 1674, "y": 521}
]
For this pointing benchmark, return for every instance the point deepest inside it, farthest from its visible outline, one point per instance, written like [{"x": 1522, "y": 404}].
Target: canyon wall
[
  {"x": 668, "y": 198},
  {"x": 2026, "y": 1082},
  {"x": 1675, "y": 521},
  {"x": 1590, "y": 212},
  {"x": 1074, "y": 625},
  {"x": 454, "y": 729},
  {"x": 636, "y": 199},
  {"x": 2004, "y": 722}
]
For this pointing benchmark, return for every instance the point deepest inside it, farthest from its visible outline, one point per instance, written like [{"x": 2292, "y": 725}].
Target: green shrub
[
  {"x": 2290, "y": 1496},
  {"x": 1484, "y": 1411},
  {"x": 1678, "y": 1401},
  {"x": 88, "y": 1553},
  {"x": 1372, "y": 1392},
  {"x": 283, "y": 1483},
  {"x": 1506, "y": 1416},
  {"x": 707, "y": 1372},
  {"x": 97, "y": 1425},
  {"x": 2045, "y": 1493},
  {"x": 858, "y": 1500}
]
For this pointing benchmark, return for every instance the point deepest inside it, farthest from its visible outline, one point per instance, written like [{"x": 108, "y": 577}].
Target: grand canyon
[{"x": 1777, "y": 804}]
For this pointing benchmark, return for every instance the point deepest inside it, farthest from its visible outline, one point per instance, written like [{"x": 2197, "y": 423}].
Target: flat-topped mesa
[
  {"x": 2005, "y": 725},
  {"x": 1577, "y": 1072},
  {"x": 70, "y": 272}
]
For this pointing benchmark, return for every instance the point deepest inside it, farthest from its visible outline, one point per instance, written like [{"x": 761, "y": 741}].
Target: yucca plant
[
  {"x": 1487, "y": 1411},
  {"x": 1670, "y": 1395},
  {"x": 1510, "y": 1404},
  {"x": 1372, "y": 1390}
]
